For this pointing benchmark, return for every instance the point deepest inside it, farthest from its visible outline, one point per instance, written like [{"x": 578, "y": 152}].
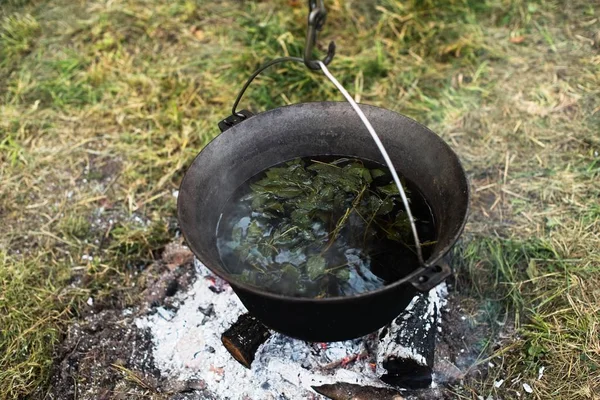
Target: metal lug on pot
[
  {"x": 234, "y": 119},
  {"x": 429, "y": 277}
]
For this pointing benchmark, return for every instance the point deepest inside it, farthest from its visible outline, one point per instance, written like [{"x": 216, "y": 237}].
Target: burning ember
[{"x": 188, "y": 347}]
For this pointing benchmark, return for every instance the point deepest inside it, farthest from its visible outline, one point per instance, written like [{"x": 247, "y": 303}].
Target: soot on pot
[{"x": 322, "y": 227}]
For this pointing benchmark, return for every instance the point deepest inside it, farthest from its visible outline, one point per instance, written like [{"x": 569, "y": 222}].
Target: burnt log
[
  {"x": 406, "y": 348},
  {"x": 350, "y": 391},
  {"x": 244, "y": 337}
]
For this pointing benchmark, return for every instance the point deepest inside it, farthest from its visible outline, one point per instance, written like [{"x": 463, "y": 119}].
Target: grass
[
  {"x": 104, "y": 104},
  {"x": 28, "y": 333}
]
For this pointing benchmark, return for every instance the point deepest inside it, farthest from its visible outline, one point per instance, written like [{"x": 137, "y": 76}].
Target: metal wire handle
[
  {"x": 385, "y": 155},
  {"x": 254, "y": 75}
]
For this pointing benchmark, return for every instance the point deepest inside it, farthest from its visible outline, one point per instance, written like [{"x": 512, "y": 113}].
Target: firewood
[
  {"x": 350, "y": 391},
  {"x": 406, "y": 349},
  {"x": 244, "y": 337}
]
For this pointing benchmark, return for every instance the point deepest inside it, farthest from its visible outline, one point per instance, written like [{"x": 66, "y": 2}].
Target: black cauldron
[{"x": 252, "y": 144}]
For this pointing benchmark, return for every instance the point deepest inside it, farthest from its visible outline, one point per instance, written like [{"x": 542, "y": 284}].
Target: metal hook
[
  {"x": 317, "y": 14},
  {"x": 316, "y": 19}
]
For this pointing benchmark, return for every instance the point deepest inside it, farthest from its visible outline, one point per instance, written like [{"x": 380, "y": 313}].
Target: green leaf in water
[
  {"x": 243, "y": 251},
  {"x": 377, "y": 173},
  {"x": 315, "y": 202},
  {"x": 290, "y": 273},
  {"x": 274, "y": 206},
  {"x": 301, "y": 219},
  {"x": 266, "y": 250},
  {"x": 286, "y": 236},
  {"x": 315, "y": 266},
  {"x": 236, "y": 234},
  {"x": 389, "y": 190},
  {"x": 258, "y": 200},
  {"x": 359, "y": 171},
  {"x": 295, "y": 162},
  {"x": 282, "y": 191},
  {"x": 400, "y": 230},
  {"x": 387, "y": 206},
  {"x": 343, "y": 274},
  {"x": 255, "y": 232},
  {"x": 337, "y": 177},
  {"x": 327, "y": 192},
  {"x": 247, "y": 276},
  {"x": 373, "y": 204}
]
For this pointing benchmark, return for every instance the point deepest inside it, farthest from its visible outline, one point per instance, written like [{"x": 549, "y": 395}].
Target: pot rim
[{"x": 338, "y": 299}]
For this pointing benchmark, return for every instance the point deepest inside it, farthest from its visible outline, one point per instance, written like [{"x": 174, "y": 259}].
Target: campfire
[
  {"x": 291, "y": 228},
  {"x": 211, "y": 340}
]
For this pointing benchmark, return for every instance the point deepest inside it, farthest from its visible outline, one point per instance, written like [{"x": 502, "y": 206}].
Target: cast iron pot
[{"x": 253, "y": 143}]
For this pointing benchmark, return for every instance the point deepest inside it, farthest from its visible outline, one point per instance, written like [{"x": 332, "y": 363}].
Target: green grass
[
  {"x": 104, "y": 104},
  {"x": 549, "y": 302},
  {"x": 29, "y": 332},
  {"x": 17, "y": 36}
]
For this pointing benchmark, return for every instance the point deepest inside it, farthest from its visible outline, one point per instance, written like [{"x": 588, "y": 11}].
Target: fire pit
[{"x": 189, "y": 347}]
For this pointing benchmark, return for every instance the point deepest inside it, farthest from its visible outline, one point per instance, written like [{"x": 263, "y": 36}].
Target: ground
[{"x": 103, "y": 104}]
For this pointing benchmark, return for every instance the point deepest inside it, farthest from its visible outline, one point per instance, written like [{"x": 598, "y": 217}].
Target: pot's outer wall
[
  {"x": 329, "y": 321},
  {"x": 310, "y": 129}
]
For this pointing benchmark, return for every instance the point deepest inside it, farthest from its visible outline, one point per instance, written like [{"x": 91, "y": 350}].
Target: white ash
[{"x": 187, "y": 346}]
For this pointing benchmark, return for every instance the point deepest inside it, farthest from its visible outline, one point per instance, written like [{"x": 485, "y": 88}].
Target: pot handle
[
  {"x": 238, "y": 116},
  {"x": 234, "y": 119},
  {"x": 317, "y": 15},
  {"x": 426, "y": 278}
]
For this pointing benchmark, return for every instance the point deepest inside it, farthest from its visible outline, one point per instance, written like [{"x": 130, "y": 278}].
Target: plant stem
[
  {"x": 342, "y": 221},
  {"x": 336, "y": 267}
]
